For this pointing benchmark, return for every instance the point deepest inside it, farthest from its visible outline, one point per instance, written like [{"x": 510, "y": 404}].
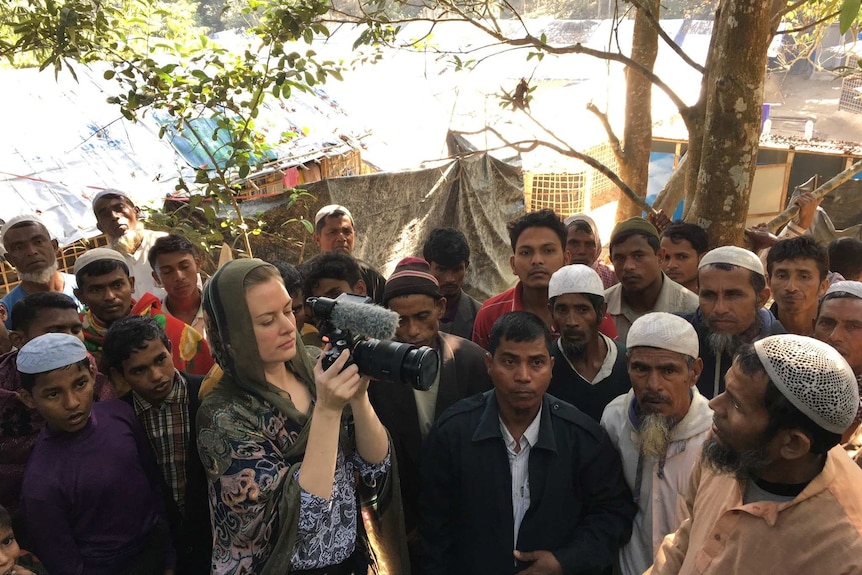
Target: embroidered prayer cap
[
  {"x": 734, "y": 256},
  {"x": 330, "y": 210},
  {"x": 587, "y": 220},
  {"x": 49, "y": 352},
  {"x": 853, "y": 288},
  {"x": 411, "y": 276},
  {"x": 112, "y": 192},
  {"x": 635, "y": 224},
  {"x": 95, "y": 255},
  {"x": 813, "y": 376},
  {"x": 664, "y": 331},
  {"x": 576, "y": 278},
  {"x": 21, "y": 219}
]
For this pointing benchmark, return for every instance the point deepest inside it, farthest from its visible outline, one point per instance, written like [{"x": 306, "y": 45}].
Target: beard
[
  {"x": 129, "y": 241},
  {"x": 741, "y": 464},
  {"x": 654, "y": 435},
  {"x": 42, "y": 276},
  {"x": 573, "y": 351},
  {"x": 724, "y": 343}
]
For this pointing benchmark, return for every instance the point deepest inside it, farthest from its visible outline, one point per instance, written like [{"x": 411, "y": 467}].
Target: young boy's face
[
  {"x": 149, "y": 371},
  {"x": 9, "y": 550},
  {"x": 63, "y": 397}
]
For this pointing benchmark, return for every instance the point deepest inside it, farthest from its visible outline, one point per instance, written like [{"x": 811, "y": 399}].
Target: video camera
[{"x": 349, "y": 323}]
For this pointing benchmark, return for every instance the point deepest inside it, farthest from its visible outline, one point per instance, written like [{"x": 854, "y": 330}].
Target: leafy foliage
[{"x": 193, "y": 86}]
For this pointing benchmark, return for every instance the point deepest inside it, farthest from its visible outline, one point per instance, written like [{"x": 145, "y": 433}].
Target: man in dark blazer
[
  {"x": 165, "y": 400},
  {"x": 516, "y": 480},
  {"x": 413, "y": 292}
]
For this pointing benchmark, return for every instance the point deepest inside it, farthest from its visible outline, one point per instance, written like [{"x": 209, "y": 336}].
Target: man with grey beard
[
  {"x": 589, "y": 367},
  {"x": 658, "y": 427},
  {"x": 774, "y": 493},
  {"x": 32, "y": 251},
  {"x": 730, "y": 312}
]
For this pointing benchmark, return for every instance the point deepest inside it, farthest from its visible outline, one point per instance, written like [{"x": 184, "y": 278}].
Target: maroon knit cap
[{"x": 411, "y": 276}]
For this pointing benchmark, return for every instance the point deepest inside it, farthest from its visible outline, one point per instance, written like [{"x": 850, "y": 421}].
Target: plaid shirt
[
  {"x": 608, "y": 276},
  {"x": 168, "y": 427}
]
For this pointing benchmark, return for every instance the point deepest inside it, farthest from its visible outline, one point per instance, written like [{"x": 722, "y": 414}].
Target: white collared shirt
[{"x": 518, "y": 466}]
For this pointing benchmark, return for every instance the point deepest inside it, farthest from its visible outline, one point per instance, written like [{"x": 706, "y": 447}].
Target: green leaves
[{"x": 849, "y": 13}]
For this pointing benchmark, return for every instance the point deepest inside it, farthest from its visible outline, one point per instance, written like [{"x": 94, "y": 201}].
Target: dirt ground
[{"x": 815, "y": 98}]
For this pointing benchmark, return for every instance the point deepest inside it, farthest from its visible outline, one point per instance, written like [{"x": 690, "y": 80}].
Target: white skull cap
[
  {"x": 21, "y": 219},
  {"x": 734, "y": 256},
  {"x": 576, "y": 278},
  {"x": 813, "y": 376},
  {"x": 329, "y": 210},
  {"x": 49, "y": 352},
  {"x": 111, "y": 192},
  {"x": 848, "y": 287},
  {"x": 664, "y": 331}
]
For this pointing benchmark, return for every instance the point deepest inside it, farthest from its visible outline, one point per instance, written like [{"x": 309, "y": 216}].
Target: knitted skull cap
[
  {"x": 21, "y": 219},
  {"x": 112, "y": 192},
  {"x": 95, "y": 255},
  {"x": 49, "y": 352},
  {"x": 734, "y": 256},
  {"x": 813, "y": 376},
  {"x": 849, "y": 287},
  {"x": 635, "y": 224},
  {"x": 664, "y": 331},
  {"x": 411, "y": 276},
  {"x": 575, "y": 278}
]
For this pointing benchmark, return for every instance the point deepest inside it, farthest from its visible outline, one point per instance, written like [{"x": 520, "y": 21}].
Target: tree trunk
[
  {"x": 731, "y": 129},
  {"x": 637, "y": 137}
]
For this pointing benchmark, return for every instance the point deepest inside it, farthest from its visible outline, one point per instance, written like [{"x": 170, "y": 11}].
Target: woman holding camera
[{"x": 279, "y": 449}]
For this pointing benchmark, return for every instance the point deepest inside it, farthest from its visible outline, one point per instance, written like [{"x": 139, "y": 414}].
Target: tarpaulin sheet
[{"x": 395, "y": 212}]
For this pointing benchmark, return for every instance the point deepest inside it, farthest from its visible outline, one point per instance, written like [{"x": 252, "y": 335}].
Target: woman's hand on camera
[{"x": 337, "y": 385}]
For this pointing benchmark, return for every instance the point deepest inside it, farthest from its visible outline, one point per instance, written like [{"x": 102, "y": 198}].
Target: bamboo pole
[{"x": 781, "y": 219}]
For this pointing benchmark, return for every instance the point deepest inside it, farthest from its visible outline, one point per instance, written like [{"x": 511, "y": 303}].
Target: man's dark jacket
[
  {"x": 714, "y": 367},
  {"x": 580, "y": 507},
  {"x": 462, "y": 373},
  {"x": 191, "y": 532}
]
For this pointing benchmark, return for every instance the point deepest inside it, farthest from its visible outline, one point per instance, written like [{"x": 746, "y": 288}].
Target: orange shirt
[{"x": 818, "y": 532}]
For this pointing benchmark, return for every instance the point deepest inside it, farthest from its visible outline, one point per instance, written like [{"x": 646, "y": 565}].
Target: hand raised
[{"x": 338, "y": 384}]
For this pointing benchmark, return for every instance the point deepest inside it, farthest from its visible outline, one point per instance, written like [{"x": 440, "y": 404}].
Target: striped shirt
[
  {"x": 168, "y": 427},
  {"x": 519, "y": 459}
]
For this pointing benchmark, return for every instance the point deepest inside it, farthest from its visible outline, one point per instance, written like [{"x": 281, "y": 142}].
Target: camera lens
[{"x": 397, "y": 362}]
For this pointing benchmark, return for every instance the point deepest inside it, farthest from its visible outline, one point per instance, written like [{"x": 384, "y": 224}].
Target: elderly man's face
[
  {"x": 31, "y": 250},
  {"x": 115, "y": 215},
  {"x": 738, "y": 444},
  {"x": 337, "y": 235},
  {"x": 662, "y": 380},
  {"x": 840, "y": 325},
  {"x": 581, "y": 247},
  {"x": 727, "y": 299}
]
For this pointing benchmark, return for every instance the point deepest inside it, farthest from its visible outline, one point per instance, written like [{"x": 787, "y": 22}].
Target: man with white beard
[
  {"x": 118, "y": 217},
  {"x": 32, "y": 251},
  {"x": 730, "y": 311},
  {"x": 658, "y": 427}
]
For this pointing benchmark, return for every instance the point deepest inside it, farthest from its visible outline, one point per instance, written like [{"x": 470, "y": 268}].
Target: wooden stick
[{"x": 818, "y": 193}]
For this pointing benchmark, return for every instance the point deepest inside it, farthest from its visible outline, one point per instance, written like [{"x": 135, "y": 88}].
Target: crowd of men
[{"x": 686, "y": 409}]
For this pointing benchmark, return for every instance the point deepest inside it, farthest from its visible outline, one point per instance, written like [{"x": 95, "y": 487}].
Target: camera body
[{"x": 344, "y": 318}]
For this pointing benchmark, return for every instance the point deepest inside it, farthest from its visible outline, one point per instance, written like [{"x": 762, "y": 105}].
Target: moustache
[{"x": 654, "y": 397}]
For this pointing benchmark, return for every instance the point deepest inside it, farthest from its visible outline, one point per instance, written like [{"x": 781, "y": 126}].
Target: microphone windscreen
[{"x": 365, "y": 319}]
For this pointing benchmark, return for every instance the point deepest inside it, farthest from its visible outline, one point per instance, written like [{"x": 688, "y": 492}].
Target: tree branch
[
  {"x": 789, "y": 8},
  {"x": 812, "y": 24},
  {"x": 667, "y": 39},
  {"x": 614, "y": 142}
]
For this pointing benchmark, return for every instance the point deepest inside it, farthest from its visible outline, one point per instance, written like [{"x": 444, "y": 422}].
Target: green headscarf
[{"x": 235, "y": 349}]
